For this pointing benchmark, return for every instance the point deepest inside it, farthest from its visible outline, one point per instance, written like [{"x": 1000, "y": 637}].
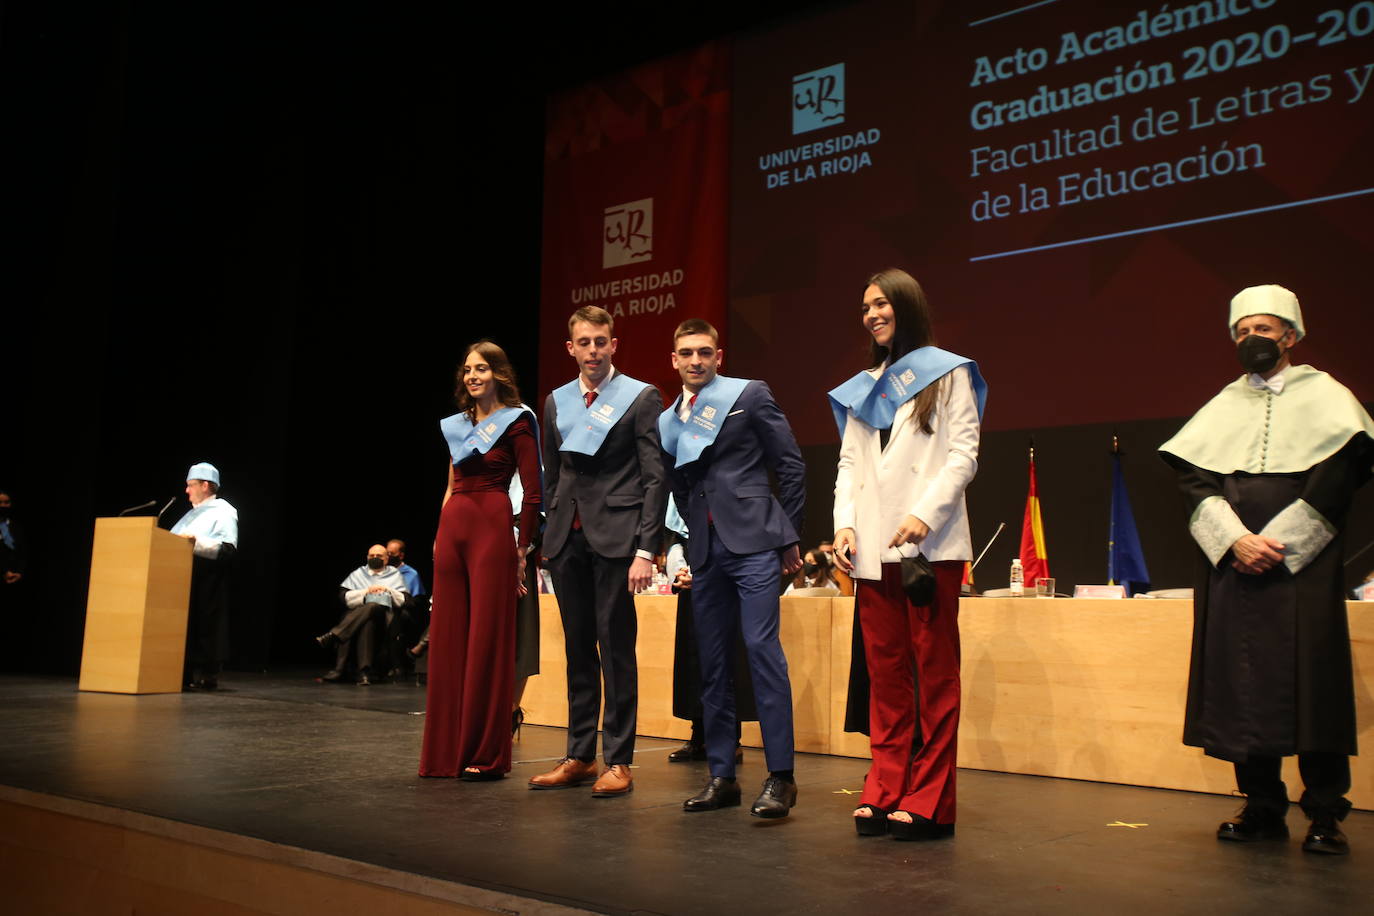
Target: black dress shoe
[
  {"x": 777, "y": 799},
  {"x": 333, "y": 677},
  {"x": 1324, "y": 835},
  {"x": 920, "y": 828},
  {"x": 366, "y": 679},
  {"x": 719, "y": 793},
  {"x": 687, "y": 753},
  {"x": 1253, "y": 824},
  {"x": 327, "y": 640}
]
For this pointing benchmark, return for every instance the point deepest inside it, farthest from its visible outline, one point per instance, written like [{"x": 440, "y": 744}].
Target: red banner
[{"x": 636, "y": 181}]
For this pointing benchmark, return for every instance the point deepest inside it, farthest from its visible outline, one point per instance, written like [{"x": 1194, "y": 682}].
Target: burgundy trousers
[
  {"x": 913, "y": 669},
  {"x": 471, "y": 638}
]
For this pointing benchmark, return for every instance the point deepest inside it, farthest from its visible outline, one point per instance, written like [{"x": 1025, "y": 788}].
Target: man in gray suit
[{"x": 605, "y": 496}]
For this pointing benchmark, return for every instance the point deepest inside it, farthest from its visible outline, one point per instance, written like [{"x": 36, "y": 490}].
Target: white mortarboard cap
[
  {"x": 1269, "y": 299},
  {"x": 204, "y": 471}
]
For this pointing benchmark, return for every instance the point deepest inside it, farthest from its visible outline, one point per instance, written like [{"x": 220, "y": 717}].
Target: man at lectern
[
  {"x": 1269, "y": 468},
  {"x": 212, "y": 527}
]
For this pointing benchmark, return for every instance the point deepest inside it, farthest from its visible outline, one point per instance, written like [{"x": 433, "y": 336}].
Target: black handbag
[{"x": 918, "y": 580}]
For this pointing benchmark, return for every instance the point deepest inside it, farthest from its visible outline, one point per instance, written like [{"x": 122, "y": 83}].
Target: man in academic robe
[
  {"x": 367, "y": 594},
  {"x": 604, "y": 496},
  {"x": 212, "y": 527},
  {"x": 721, "y": 438},
  {"x": 1269, "y": 468}
]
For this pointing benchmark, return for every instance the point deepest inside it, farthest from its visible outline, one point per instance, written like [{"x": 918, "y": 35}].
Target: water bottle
[{"x": 1018, "y": 588}]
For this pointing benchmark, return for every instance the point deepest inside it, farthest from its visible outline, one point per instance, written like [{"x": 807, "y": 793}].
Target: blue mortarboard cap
[{"x": 204, "y": 471}]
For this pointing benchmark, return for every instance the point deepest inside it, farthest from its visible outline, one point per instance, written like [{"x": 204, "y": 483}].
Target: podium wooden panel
[{"x": 136, "y": 610}]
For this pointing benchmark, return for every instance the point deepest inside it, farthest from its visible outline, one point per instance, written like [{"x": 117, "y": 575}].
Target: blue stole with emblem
[
  {"x": 686, "y": 441},
  {"x": 585, "y": 428},
  {"x": 876, "y": 401},
  {"x": 465, "y": 439}
]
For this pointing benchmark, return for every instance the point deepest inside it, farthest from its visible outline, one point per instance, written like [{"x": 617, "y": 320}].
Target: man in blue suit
[{"x": 721, "y": 438}]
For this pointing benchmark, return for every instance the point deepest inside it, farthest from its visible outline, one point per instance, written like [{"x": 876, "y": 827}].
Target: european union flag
[{"x": 1125, "y": 559}]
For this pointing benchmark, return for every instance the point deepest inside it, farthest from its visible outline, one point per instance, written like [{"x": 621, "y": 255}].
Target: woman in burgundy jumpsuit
[{"x": 479, "y": 571}]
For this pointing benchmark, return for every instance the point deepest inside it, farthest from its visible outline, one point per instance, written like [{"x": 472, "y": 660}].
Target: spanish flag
[{"x": 1034, "y": 562}]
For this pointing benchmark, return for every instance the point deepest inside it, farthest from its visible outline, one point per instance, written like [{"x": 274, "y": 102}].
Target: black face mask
[
  {"x": 1258, "y": 354},
  {"x": 375, "y": 562},
  {"x": 393, "y": 560},
  {"x": 809, "y": 569}
]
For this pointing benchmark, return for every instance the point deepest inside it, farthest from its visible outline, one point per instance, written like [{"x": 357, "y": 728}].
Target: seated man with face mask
[{"x": 366, "y": 594}]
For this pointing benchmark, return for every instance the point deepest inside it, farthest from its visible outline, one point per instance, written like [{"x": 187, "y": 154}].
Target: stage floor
[{"x": 332, "y": 769}]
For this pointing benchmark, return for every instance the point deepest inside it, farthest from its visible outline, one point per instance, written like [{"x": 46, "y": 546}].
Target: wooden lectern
[{"x": 136, "y": 609}]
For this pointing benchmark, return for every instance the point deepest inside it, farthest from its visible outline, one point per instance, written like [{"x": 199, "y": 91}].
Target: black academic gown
[{"x": 1271, "y": 671}]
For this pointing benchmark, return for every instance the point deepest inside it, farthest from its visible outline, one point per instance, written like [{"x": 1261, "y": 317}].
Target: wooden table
[{"x": 1078, "y": 688}]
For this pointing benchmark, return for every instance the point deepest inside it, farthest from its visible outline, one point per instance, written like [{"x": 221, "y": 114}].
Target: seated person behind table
[
  {"x": 404, "y": 621},
  {"x": 367, "y": 593},
  {"x": 816, "y": 573}
]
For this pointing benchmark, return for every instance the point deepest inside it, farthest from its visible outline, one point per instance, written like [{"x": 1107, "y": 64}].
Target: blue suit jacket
[{"x": 729, "y": 482}]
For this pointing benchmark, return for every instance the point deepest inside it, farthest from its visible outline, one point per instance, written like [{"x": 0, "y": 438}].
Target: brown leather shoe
[
  {"x": 615, "y": 781},
  {"x": 569, "y": 772}
]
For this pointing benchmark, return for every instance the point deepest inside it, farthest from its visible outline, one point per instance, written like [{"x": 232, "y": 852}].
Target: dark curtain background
[{"x": 258, "y": 236}]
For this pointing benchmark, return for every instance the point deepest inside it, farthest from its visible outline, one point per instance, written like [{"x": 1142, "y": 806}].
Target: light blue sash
[
  {"x": 465, "y": 440},
  {"x": 876, "y": 402},
  {"x": 585, "y": 428},
  {"x": 686, "y": 441}
]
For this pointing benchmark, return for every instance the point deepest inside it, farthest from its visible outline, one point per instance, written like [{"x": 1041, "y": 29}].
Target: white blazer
[{"x": 917, "y": 474}]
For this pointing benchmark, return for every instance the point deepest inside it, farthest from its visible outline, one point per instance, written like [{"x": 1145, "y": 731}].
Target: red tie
[
  {"x": 692, "y": 403},
  {"x": 577, "y": 516}
]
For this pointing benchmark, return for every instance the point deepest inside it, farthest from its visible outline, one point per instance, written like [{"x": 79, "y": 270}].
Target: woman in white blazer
[{"x": 899, "y": 491}]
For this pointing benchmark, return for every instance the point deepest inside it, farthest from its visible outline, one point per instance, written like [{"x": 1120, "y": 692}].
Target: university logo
[
  {"x": 818, "y": 99},
  {"x": 908, "y": 377},
  {"x": 628, "y": 234},
  {"x": 708, "y": 413},
  {"x": 607, "y": 409}
]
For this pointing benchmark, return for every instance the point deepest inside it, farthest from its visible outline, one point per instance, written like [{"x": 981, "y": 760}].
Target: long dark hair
[
  {"x": 913, "y": 330},
  {"x": 507, "y": 389}
]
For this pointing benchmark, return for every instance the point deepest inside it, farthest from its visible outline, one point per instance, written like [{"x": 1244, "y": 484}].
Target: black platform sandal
[
  {"x": 873, "y": 825},
  {"x": 920, "y": 828}
]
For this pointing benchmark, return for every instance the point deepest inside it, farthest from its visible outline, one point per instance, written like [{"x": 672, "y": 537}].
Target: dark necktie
[{"x": 577, "y": 516}]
